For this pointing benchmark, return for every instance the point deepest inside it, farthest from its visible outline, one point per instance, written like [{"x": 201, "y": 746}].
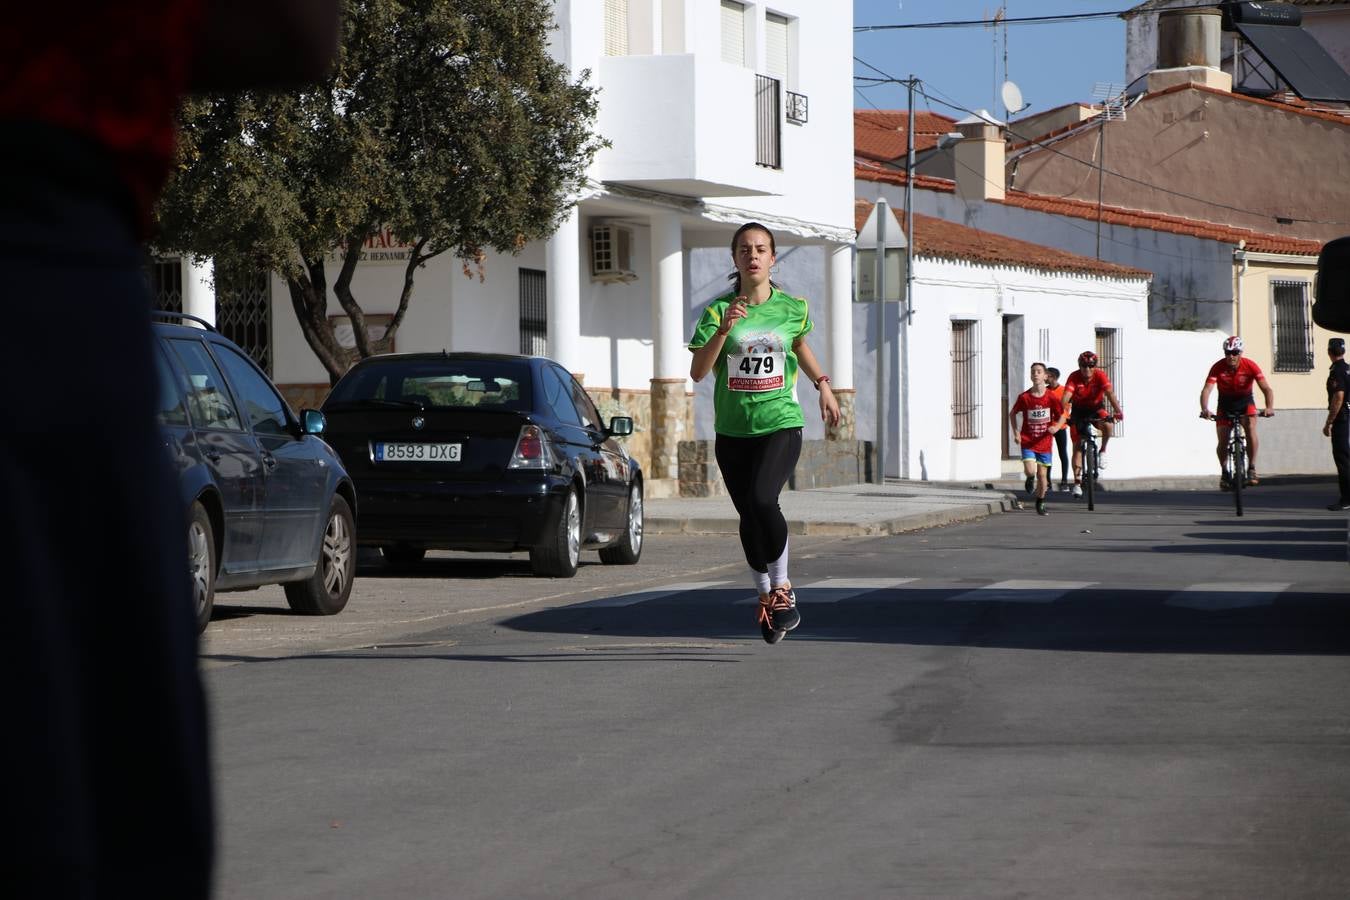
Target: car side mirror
[
  {"x": 620, "y": 426},
  {"x": 312, "y": 422}
]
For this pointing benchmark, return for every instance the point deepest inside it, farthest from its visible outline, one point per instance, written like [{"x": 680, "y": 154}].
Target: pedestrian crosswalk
[{"x": 1212, "y": 596}]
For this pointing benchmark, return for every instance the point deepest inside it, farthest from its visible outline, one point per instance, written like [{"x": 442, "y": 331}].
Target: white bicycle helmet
[{"x": 1233, "y": 343}]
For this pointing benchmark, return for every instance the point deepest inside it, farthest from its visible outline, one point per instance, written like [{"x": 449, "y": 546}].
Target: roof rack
[{"x": 181, "y": 316}]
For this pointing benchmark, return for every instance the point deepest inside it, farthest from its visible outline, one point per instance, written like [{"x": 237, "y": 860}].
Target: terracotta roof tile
[
  {"x": 941, "y": 239},
  {"x": 881, "y": 134},
  {"x": 1115, "y": 215},
  {"x": 1133, "y": 218}
]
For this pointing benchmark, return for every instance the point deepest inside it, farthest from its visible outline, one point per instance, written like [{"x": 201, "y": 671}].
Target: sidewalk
[
  {"x": 892, "y": 508},
  {"x": 855, "y": 509}
]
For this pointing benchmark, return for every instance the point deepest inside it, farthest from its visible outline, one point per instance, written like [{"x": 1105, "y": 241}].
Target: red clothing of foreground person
[{"x": 106, "y": 733}]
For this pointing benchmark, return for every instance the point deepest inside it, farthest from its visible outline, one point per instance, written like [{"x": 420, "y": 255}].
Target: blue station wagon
[{"x": 267, "y": 500}]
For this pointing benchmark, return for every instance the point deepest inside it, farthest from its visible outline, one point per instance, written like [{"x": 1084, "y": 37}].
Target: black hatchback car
[
  {"x": 485, "y": 452},
  {"x": 267, "y": 500}
]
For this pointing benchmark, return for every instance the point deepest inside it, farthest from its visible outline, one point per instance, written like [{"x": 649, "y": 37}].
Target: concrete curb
[{"x": 933, "y": 518}]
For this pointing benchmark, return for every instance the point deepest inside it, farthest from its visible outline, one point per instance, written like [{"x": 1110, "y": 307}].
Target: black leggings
[
  {"x": 755, "y": 470},
  {"x": 1062, "y": 443}
]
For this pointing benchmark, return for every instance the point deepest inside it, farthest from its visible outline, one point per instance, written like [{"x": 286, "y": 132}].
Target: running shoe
[
  {"x": 1040, "y": 508},
  {"x": 1252, "y": 480},
  {"x": 1063, "y": 487},
  {"x": 767, "y": 630},
  {"x": 1031, "y": 483},
  {"x": 1077, "y": 489},
  {"x": 1101, "y": 461},
  {"x": 1225, "y": 483},
  {"x": 783, "y": 608}
]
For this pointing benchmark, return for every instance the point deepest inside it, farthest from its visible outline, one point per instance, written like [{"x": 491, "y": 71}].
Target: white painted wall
[
  {"x": 1162, "y": 434},
  {"x": 1192, "y": 274}
]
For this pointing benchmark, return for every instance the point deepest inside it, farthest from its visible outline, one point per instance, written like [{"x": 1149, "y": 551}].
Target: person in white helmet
[{"x": 1234, "y": 375}]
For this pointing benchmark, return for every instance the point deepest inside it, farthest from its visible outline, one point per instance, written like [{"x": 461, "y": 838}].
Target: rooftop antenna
[{"x": 1112, "y": 97}]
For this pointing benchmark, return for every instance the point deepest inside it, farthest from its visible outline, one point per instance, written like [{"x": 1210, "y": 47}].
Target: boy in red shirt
[{"x": 1041, "y": 414}]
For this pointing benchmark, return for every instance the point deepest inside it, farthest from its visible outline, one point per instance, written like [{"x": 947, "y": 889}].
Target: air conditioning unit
[{"x": 612, "y": 254}]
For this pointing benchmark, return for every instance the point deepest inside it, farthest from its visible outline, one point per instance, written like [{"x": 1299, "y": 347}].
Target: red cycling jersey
[
  {"x": 1087, "y": 392},
  {"x": 1234, "y": 382},
  {"x": 1037, "y": 415}
]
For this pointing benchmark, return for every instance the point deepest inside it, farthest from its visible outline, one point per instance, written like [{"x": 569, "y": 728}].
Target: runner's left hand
[{"x": 829, "y": 407}]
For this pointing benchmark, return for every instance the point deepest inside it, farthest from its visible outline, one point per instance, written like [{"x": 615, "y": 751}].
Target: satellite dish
[{"x": 1012, "y": 98}]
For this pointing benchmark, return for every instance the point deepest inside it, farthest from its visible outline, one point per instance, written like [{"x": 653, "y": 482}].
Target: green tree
[{"x": 444, "y": 121}]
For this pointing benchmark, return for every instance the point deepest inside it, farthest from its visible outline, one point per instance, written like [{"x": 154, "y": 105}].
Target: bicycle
[
  {"x": 1091, "y": 456},
  {"x": 1235, "y": 467}
]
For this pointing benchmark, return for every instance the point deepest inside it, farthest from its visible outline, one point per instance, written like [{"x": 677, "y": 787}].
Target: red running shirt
[
  {"x": 112, "y": 72},
  {"x": 1038, "y": 414},
  {"x": 1234, "y": 382},
  {"x": 1087, "y": 392}
]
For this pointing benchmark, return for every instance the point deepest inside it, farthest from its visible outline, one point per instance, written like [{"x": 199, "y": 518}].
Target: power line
[
  {"x": 1139, "y": 181},
  {"x": 1023, "y": 20},
  {"x": 926, "y": 86}
]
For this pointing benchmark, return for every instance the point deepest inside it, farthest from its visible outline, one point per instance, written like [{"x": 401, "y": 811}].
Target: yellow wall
[{"x": 1293, "y": 390}]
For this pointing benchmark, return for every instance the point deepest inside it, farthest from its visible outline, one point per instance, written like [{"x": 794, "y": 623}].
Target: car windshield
[{"x": 440, "y": 383}]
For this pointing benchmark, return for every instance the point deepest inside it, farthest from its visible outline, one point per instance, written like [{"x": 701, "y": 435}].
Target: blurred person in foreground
[{"x": 106, "y": 734}]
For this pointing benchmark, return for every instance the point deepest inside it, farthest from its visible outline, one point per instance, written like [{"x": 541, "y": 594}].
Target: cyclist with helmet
[
  {"x": 1086, "y": 393},
  {"x": 1234, "y": 375}
]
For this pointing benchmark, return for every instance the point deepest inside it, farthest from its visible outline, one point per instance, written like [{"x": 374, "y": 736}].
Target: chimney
[
  {"x": 979, "y": 158},
  {"x": 1188, "y": 50}
]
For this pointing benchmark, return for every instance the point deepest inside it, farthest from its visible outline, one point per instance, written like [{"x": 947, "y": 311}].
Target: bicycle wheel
[
  {"x": 1237, "y": 466},
  {"x": 1090, "y": 473}
]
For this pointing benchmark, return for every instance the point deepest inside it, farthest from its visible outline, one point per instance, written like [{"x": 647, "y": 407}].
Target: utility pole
[
  {"x": 883, "y": 213},
  {"x": 903, "y": 363}
]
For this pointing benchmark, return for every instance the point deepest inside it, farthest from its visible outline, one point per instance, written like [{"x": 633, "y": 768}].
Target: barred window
[
  {"x": 1111, "y": 361},
  {"x": 533, "y": 312},
  {"x": 244, "y": 313},
  {"x": 165, "y": 276},
  {"x": 1292, "y": 322},
  {"x": 965, "y": 378}
]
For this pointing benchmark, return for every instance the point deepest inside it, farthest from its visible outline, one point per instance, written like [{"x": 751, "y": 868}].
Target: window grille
[
  {"x": 616, "y": 27},
  {"x": 244, "y": 313},
  {"x": 768, "y": 139},
  {"x": 1110, "y": 361},
  {"x": 1043, "y": 345},
  {"x": 733, "y": 32},
  {"x": 1292, "y": 322},
  {"x": 965, "y": 379},
  {"x": 165, "y": 277},
  {"x": 533, "y": 312}
]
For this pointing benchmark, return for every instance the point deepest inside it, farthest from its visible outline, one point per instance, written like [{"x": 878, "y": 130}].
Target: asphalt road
[{"x": 1152, "y": 700}]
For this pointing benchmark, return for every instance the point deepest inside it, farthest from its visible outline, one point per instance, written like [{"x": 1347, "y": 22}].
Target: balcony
[{"x": 690, "y": 126}]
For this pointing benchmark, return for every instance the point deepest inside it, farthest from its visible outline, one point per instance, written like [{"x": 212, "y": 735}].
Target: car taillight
[{"x": 532, "y": 450}]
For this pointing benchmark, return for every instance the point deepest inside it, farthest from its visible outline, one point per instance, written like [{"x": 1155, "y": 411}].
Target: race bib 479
[{"x": 755, "y": 372}]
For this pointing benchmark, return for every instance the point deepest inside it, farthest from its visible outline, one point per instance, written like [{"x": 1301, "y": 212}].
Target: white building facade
[{"x": 716, "y": 112}]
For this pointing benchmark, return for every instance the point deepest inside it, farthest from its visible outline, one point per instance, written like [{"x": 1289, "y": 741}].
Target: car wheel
[
  {"x": 400, "y": 555},
  {"x": 629, "y": 548},
  {"x": 560, "y": 553},
  {"x": 202, "y": 563},
  {"x": 325, "y": 592}
]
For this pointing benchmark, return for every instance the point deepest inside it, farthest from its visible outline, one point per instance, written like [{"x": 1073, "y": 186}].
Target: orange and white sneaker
[
  {"x": 767, "y": 627},
  {"x": 784, "y": 607}
]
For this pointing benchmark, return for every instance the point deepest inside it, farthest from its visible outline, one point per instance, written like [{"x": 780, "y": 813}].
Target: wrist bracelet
[{"x": 821, "y": 380}]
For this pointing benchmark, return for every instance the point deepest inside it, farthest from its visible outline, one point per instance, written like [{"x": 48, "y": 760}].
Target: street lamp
[{"x": 882, "y": 275}]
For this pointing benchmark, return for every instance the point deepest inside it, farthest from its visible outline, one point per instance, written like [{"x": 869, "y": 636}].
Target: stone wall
[{"x": 823, "y": 463}]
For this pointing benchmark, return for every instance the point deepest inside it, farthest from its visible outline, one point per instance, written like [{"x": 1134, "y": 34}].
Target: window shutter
[
  {"x": 733, "y": 32},
  {"x": 616, "y": 27},
  {"x": 776, "y": 47}
]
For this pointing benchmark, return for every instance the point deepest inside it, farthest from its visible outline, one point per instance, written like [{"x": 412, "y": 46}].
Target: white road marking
[
  {"x": 1228, "y": 594},
  {"x": 668, "y": 590},
  {"x": 1021, "y": 591}
]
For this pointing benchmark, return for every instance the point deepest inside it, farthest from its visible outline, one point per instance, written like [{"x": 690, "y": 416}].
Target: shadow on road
[{"x": 1097, "y": 620}]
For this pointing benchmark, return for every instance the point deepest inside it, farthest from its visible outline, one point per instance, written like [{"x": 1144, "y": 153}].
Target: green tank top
[{"x": 756, "y": 369}]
